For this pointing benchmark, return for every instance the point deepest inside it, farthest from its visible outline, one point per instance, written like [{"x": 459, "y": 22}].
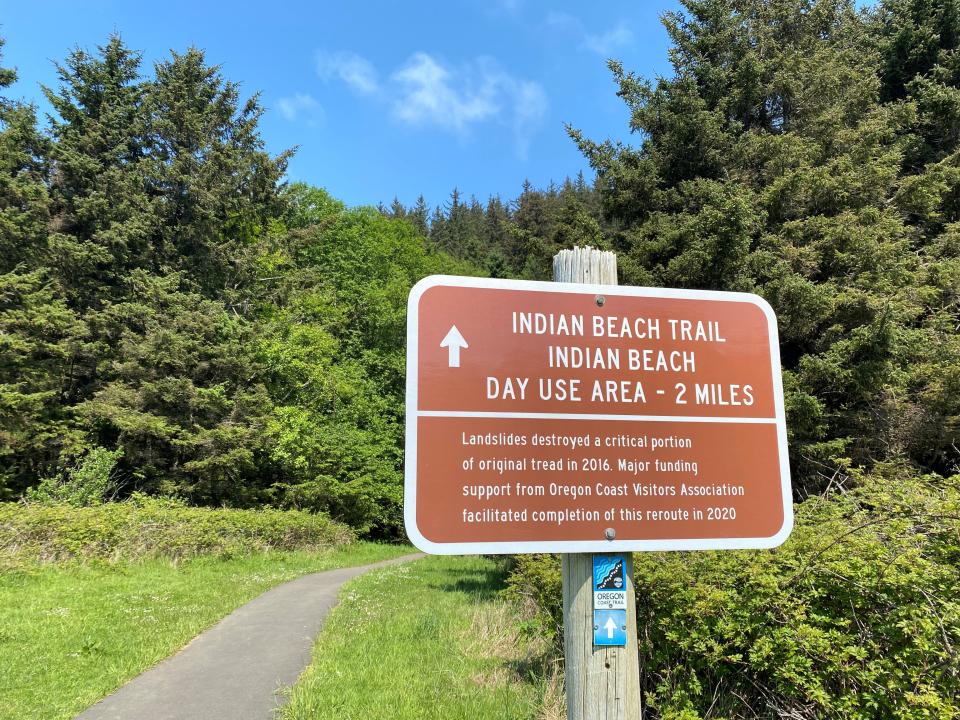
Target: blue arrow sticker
[{"x": 609, "y": 627}]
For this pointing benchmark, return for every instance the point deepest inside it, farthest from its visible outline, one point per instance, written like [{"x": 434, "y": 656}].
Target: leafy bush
[
  {"x": 331, "y": 340},
  {"x": 856, "y": 616},
  {"x": 86, "y": 483},
  {"x": 155, "y": 527}
]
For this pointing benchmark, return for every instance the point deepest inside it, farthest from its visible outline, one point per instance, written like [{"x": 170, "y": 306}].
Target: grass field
[
  {"x": 70, "y": 634},
  {"x": 428, "y": 639}
]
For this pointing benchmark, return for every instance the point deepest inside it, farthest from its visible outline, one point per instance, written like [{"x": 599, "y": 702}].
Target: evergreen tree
[
  {"x": 574, "y": 227},
  {"x": 454, "y": 239},
  {"x": 217, "y": 187},
  {"x": 178, "y": 389},
  {"x": 804, "y": 150},
  {"x": 418, "y": 215},
  {"x": 161, "y": 194},
  {"x": 438, "y": 228},
  {"x": 102, "y": 216},
  {"x": 770, "y": 164},
  {"x": 915, "y": 36},
  {"x": 37, "y": 331},
  {"x": 38, "y": 340},
  {"x": 496, "y": 233},
  {"x": 397, "y": 210},
  {"x": 24, "y": 172}
]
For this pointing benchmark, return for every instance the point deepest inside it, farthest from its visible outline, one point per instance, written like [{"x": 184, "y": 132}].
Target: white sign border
[{"x": 584, "y": 546}]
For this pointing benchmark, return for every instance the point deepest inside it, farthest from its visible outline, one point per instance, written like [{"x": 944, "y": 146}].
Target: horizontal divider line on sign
[{"x": 593, "y": 416}]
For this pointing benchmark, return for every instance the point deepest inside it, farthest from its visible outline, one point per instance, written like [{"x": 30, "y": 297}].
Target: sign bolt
[
  {"x": 600, "y": 300},
  {"x": 610, "y": 534}
]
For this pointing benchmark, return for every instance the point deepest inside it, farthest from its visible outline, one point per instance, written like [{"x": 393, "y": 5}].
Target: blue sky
[{"x": 386, "y": 99}]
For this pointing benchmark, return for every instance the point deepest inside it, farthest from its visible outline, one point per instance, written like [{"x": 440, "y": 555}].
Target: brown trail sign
[{"x": 555, "y": 417}]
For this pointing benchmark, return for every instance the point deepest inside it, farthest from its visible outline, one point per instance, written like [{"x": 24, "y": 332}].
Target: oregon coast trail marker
[{"x": 572, "y": 418}]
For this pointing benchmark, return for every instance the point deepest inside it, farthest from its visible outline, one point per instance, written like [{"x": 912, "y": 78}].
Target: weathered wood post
[{"x": 602, "y": 683}]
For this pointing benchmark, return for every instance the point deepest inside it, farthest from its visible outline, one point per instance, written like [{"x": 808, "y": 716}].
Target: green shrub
[
  {"x": 145, "y": 527},
  {"x": 856, "y": 616},
  {"x": 87, "y": 483}
]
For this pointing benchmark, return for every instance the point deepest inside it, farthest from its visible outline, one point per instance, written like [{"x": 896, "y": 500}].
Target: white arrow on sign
[
  {"x": 610, "y": 627},
  {"x": 453, "y": 342}
]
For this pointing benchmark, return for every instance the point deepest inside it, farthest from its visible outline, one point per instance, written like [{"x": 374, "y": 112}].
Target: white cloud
[
  {"x": 605, "y": 43},
  {"x": 427, "y": 96},
  {"x": 529, "y": 110},
  {"x": 299, "y": 106},
  {"x": 355, "y": 70},
  {"x": 426, "y": 92},
  {"x": 430, "y": 93},
  {"x": 610, "y": 41}
]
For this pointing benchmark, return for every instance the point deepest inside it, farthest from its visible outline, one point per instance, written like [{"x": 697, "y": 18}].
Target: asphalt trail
[{"x": 233, "y": 670}]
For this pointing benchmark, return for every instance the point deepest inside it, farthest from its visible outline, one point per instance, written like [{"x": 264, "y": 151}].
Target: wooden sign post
[{"x": 602, "y": 683}]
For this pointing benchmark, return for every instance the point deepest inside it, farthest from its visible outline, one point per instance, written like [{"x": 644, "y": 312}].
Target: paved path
[{"x": 233, "y": 670}]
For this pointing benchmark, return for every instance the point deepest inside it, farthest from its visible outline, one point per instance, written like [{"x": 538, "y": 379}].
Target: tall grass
[
  {"x": 430, "y": 640},
  {"x": 145, "y": 527}
]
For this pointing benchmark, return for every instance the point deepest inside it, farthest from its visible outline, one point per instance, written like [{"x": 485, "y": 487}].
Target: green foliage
[
  {"x": 793, "y": 154},
  {"x": 87, "y": 483},
  {"x": 38, "y": 338},
  {"x": 24, "y": 199},
  {"x": 160, "y": 174},
  {"x": 126, "y": 304},
  {"x": 332, "y": 345},
  {"x": 516, "y": 239},
  {"x": 535, "y": 582},
  {"x": 213, "y": 334},
  {"x": 164, "y": 294},
  {"x": 306, "y": 206},
  {"x": 807, "y": 152},
  {"x": 36, "y": 328},
  {"x": 856, "y": 616},
  {"x": 218, "y": 188},
  {"x": 238, "y": 342},
  {"x": 100, "y": 215},
  {"x": 177, "y": 390},
  {"x": 149, "y": 527}
]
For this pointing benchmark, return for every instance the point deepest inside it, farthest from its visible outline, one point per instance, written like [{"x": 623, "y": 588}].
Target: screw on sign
[{"x": 540, "y": 420}]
